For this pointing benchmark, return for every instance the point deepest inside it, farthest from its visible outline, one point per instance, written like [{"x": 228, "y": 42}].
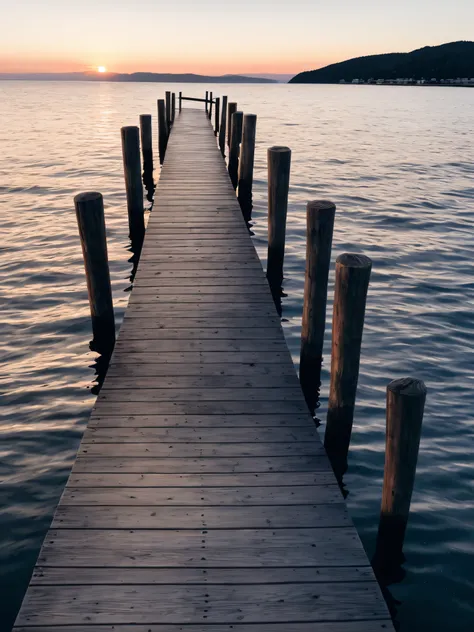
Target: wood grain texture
[
  {"x": 201, "y": 497},
  {"x": 182, "y": 604}
]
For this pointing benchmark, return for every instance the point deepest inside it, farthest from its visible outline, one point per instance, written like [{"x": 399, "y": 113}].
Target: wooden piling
[
  {"x": 180, "y": 101},
  {"x": 279, "y": 161},
  {"x": 173, "y": 107},
  {"x": 210, "y": 106},
  {"x": 168, "y": 110},
  {"x": 231, "y": 108},
  {"x": 234, "y": 149},
  {"x": 319, "y": 230},
  {"x": 133, "y": 181},
  {"x": 352, "y": 283},
  {"x": 246, "y": 163},
  {"x": 146, "y": 141},
  {"x": 405, "y": 406},
  {"x": 162, "y": 129},
  {"x": 91, "y": 223},
  {"x": 218, "y": 112},
  {"x": 223, "y": 126},
  {"x": 207, "y": 99}
]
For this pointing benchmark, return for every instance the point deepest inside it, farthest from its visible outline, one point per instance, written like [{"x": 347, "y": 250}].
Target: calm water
[{"x": 399, "y": 164}]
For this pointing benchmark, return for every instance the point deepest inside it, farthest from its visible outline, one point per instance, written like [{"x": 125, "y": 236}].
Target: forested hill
[{"x": 447, "y": 61}]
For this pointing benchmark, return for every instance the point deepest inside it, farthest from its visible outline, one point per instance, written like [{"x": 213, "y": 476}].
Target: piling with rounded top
[
  {"x": 168, "y": 110},
  {"x": 405, "y": 407},
  {"x": 231, "y": 108},
  {"x": 146, "y": 141},
  {"x": 210, "y": 106},
  {"x": 234, "y": 149},
  {"x": 352, "y": 283},
  {"x": 279, "y": 161},
  {"x": 246, "y": 163},
  {"x": 207, "y": 99},
  {"x": 320, "y": 216},
  {"x": 133, "y": 181},
  {"x": 91, "y": 223},
  {"x": 173, "y": 107},
  {"x": 218, "y": 111},
  {"x": 223, "y": 126},
  {"x": 180, "y": 101},
  {"x": 162, "y": 130}
]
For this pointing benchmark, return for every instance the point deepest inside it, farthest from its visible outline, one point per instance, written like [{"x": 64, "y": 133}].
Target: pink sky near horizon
[{"x": 216, "y": 36}]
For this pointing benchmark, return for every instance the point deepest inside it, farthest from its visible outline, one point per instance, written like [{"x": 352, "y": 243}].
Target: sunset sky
[{"x": 218, "y": 36}]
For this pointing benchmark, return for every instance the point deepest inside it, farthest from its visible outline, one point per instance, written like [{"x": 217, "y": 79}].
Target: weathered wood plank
[
  {"x": 222, "y": 548},
  {"x": 381, "y": 625},
  {"x": 200, "y": 435},
  {"x": 46, "y": 575},
  {"x": 191, "y": 407},
  {"x": 264, "y": 479},
  {"x": 194, "y": 450},
  {"x": 182, "y": 604},
  {"x": 202, "y": 496},
  {"x": 199, "y": 421},
  {"x": 282, "y": 394},
  {"x": 146, "y": 464}
]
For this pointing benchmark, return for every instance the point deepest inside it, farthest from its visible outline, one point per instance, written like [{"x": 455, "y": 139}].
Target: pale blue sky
[{"x": 214, "y": 36}]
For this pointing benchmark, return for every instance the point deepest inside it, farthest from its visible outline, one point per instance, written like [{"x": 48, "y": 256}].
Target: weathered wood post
[
  {"x": 279, "y": 161},
  {"x": 180, "y": 101},
  {"x": 207, "y": 99},
  {"x": 210, "y": 106},
  {"x": 234, "y": 149},
  {"x": 352, "y": 283},
  {"x": 405, "y": 407},
  {"x": 223, "y": 126},
  {"x": 162, "y": 129},
  {"x": 173, "y": 107},
  {"x": 168, "y": 111},
  {"x": 218, "y": 112},
  {"x": 246, "y": 164},
  {"x": 133, "y": 181},
  {"x": 147, "y": 154},
  {"x": 319, "y": 230},
  {"x": 146, "y": 141},
  {"x": 231, "y": 108},
  {"x": 91, "y": 224}
]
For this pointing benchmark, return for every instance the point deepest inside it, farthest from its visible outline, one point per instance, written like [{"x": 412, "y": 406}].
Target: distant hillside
[
  {"x": 136, "y": 76},
  {"x": 447, "y": 61}
]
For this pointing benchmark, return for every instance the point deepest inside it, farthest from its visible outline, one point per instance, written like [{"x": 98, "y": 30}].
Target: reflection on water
[{"x": 397, "y": 162}]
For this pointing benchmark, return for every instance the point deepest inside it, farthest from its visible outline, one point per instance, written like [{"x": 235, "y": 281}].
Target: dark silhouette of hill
[
  {"x": 136, "y": 76},
  {"x": 448, "y": 61}
]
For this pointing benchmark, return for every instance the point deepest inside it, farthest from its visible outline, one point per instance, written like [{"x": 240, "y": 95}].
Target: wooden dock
[{"x": 201, "y": 498}]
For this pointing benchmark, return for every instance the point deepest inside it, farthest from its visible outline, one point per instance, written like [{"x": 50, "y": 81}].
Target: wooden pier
[{"x": 201, "y": 498}]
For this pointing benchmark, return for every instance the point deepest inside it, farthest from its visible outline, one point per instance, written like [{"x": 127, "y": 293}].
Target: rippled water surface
[{"x": 398, "y": 162}]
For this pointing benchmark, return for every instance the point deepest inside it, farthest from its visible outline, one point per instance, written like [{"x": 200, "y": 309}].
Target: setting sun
[{"x": 101, "y": 69}]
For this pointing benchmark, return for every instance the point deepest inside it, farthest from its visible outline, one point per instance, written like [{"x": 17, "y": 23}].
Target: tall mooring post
[
  {"x": 352, "y": 283},
  {"x": 168, "y": 110},
  {"x": 231, "y": 108},
  {"x": 223, "y": 126},
  {"x": 210, "y": 106},
  {"x": 319, "y": 230},
  {"x": 217, "y": 116},
  {"x": 91, "y": 223},
  {"x": 246, "y": 164},
  {"x": 234, "y": 149},
  {"x": 405, "y": 407},
  {"x": 279, "y": 161},
  {"x": 162, "y": 130},
  {"x": 133, "y": 182}
]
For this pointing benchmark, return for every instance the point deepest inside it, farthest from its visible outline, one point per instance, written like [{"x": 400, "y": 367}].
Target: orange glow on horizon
[{"x": 172, "y": 65}]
